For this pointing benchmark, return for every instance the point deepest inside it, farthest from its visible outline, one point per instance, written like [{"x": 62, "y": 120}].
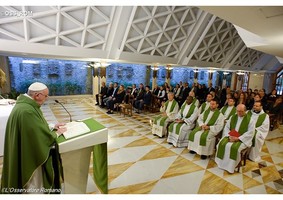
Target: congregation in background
[{"x": 210, "y": 122}]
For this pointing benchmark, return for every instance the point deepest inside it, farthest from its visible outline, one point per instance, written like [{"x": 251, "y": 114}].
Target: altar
[{"x": 5, "y": 110}]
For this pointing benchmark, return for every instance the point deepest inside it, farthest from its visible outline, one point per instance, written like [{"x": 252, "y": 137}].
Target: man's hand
[
  {"x": 205, "y": 127},
  {"x": 233, "y": 139},
  {"x": 57, "y": 126},
  {"x": 61, "y": 130},
  {"x": 179, "y": 120}
]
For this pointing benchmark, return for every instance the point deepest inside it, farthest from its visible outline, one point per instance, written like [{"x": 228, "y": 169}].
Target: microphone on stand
[{"x": 64, "y": 108}]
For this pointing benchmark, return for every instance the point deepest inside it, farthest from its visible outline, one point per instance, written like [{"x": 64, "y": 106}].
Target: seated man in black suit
[
  {"x": 146, "y": 99},
  {"x": 103, "y": 92}
]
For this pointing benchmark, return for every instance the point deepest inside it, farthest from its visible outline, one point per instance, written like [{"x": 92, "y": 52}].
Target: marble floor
[{"x": 140, "y": 163}]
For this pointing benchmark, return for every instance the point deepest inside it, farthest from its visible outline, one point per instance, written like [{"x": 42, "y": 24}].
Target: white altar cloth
[{"x": 5, "y": 111}]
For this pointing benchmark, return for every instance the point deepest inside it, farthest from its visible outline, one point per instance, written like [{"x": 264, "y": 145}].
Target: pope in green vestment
[{"x": 30, "y": 146}]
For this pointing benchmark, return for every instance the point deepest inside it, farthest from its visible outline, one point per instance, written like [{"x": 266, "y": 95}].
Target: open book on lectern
[{"x": 75, "y": 129}]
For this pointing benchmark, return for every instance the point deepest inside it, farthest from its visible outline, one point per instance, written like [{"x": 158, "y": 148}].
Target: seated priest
[
  {"x": 169, "y": 109},
  {"x": 210, "y": 123},
  {"x": 205, "y": 105},
  {"x": 183, "y": 124},
  {"x": 237, "y": 135},
  {"x": 229, "y": 109},
  {"x": 195, "y": 100},
  {"x": 262, "y": 122}
]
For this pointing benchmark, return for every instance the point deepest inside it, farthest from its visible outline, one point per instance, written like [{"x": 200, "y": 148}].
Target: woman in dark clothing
[
  {"x": 145, "y": 101},
  {"x": 117, "y": 99},
  {"x": 275, "y": 111}
]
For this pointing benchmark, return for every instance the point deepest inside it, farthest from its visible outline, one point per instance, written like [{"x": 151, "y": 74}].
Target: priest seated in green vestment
[
  {"x": 183, "y": 124},
  {"x": 205, "y": 105},
  {"x": 195, "y": 100},
  {"x": 229, "y": 109},
  {"x": 237, "y": 135},
  {"x": 31, "y": 159},
  {"x": 168, "y": 110},
  {"x": 202, "y": 138},
  {"x": 262, "y": 123}
]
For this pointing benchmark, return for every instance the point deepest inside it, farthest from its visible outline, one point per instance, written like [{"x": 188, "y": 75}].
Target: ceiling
[
  {"x": 264, "y": 21},
  {"x": 199, "y": 37}
]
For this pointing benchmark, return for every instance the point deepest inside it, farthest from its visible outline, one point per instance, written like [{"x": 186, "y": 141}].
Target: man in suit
[{"x": 103, "y": 91}]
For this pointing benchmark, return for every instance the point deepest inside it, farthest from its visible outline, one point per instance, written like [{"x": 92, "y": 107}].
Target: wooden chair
[
  {"x": 244, "y": 155},
  {"x": 126, "y": 109}
]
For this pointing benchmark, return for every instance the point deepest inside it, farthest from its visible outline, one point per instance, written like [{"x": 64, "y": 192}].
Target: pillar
[
  {"x": 196, "y": 74},
  {"x": 102, "y": 76},
  {"x": 224, "y": 83},
  {"x": 147, "y": 75},
  {"x": 95, "y": 81},
  {"x": 233, "y": 81},
  {"x": 210, "y": 76},
  {"x": 168, "y": 74},
  {"x": 154, "y": 76}
]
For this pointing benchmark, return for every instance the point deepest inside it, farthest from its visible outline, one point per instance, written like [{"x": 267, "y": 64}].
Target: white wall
[{"x": 256, "y": 81}]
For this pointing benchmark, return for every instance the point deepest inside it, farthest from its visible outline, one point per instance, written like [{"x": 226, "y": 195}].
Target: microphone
[{"x": 64, "y": 108}]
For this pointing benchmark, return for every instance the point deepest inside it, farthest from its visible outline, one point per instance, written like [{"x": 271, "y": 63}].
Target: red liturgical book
[{"x": 234, "y": 133}]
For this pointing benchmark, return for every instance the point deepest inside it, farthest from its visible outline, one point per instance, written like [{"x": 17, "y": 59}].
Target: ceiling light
[
  {"x": 225, "y": 73},
  {"x": 240, "y": 73},
  {"x": 30, "y": 61},
  {"x": 104, "y": 64},
  {"x": 155, "y": 68}
]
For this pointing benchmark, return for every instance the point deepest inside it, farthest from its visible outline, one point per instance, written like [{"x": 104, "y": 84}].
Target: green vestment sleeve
[{"x": 28, "y": 142}]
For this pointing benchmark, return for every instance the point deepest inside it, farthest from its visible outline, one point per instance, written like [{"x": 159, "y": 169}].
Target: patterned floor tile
[
  {"x": 158, "y": 152},
  {"x": 140, "y": 163},
  {"x": 212, "y": 184},
  {"x": 269, "y": 174},
  {"x": 181, "y": 166}
]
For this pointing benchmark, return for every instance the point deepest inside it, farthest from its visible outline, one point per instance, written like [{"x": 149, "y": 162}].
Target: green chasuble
[
  {"x": 163, "y": 119},
  {"x": 202, "y": 107},
  {"x": 233, "y": 111},
  {"x": 204, "y": 135},
  {"x": 259, "y": 122},
  {"x": 236, "y": 145},
  {"x": 28, "y": 143},
  {"x": 179, "y": 125}
]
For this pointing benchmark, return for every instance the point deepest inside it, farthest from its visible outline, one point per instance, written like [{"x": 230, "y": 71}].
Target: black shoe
[
  {"x": 111, "y": 112},
  {"x": 108, "y": 112},
  {"x": 192, "y": 152},
  {"x": 138, "y": 112},
  {"x": 203, "y": 157}
]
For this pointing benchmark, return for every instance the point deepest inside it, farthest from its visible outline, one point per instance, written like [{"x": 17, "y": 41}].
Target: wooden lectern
[{"x": 75, "y": 154}]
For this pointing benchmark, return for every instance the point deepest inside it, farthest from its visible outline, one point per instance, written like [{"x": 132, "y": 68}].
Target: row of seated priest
[{"x": 199, "y": 127}]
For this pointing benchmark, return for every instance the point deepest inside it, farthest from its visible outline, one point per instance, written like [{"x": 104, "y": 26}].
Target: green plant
[{"x": 13, "y": 94}]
